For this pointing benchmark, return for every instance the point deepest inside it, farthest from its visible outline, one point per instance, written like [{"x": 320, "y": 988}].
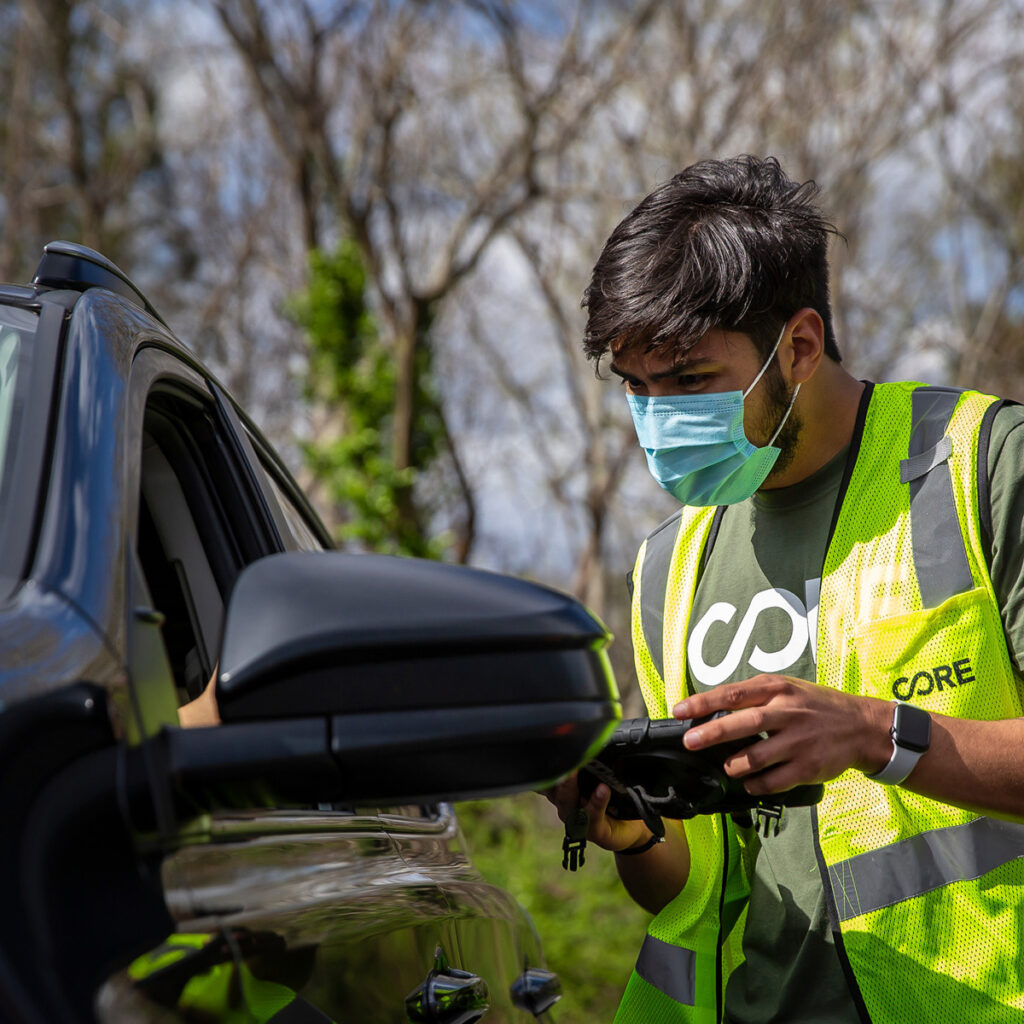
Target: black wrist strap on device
[
  {"x": 646, "y": 812},
  {"x": 632, "y": 851}
]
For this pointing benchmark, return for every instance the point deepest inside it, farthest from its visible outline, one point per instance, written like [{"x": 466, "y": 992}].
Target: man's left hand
[{"x": 813, "y": 733}]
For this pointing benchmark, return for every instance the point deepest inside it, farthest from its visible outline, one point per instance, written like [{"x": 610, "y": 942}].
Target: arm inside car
[{"x": 202, "y": 710}]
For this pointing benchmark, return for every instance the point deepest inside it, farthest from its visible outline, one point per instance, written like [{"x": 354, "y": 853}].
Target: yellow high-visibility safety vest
[{"x": 926, "y": 901}]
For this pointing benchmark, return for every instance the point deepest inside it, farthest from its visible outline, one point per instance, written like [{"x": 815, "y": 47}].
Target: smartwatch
[{"x": 911, "y": 733}]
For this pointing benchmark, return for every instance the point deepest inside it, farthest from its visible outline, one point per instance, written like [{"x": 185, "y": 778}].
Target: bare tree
[
  {"x": 81, "y": 158},
  {"x": 361, "y": 103},
  {"x": 980, "y": 157}
]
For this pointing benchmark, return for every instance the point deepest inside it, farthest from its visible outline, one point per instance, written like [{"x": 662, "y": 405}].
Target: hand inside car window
[{"x": 202, "y": 710}]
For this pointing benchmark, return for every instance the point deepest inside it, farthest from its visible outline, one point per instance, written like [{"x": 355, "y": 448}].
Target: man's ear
[{"x": 801, "y": 357}]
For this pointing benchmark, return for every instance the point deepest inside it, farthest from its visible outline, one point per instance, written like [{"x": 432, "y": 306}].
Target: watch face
[{"x": 911, "y": 727}]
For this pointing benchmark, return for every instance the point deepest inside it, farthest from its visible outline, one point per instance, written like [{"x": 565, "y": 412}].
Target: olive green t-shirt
[{"x": 755, "y": 610}]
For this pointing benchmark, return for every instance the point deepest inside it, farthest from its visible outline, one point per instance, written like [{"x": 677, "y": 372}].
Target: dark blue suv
[{"x": 299, "y": 860}]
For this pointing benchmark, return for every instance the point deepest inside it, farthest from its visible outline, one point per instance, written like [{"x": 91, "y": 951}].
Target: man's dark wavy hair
[{"x": 728, "y": 244}]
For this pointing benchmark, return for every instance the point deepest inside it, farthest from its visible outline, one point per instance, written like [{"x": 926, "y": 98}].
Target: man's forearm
[
  {"x": 975, "y": 765},
  {"x": 656, "y": 877}
]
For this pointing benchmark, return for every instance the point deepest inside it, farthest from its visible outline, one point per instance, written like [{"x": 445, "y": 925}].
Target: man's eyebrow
[{"x": 686, "y": 364}]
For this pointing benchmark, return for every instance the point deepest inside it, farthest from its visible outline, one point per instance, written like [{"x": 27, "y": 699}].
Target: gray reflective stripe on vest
[
  {"x": 670, "y": 969},
  {"x": 653, "y": 584},
  {"x": 940, "y": 558},
  {"x": 885, "y": 877}
]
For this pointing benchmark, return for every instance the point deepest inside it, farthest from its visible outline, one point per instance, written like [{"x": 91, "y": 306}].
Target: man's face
[{"x": 720, "y": 361}]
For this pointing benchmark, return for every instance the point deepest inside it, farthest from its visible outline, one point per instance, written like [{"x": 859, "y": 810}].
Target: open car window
[{"x": 197, "y": 529}]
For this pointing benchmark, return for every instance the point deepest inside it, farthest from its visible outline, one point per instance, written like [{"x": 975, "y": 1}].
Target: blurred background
[{"x": 375, "y": 222}]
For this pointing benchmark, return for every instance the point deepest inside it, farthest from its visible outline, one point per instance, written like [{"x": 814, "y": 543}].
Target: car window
[
  {"x": 198, "y": 527},
  {"x": 10, "y": 346},
  {"x": 16, "y": 328}
]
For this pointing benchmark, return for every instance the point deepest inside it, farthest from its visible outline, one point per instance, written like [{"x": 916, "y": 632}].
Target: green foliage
[
  {"x": 352, "y": 370},
  {"x": 590, "y": 929}
]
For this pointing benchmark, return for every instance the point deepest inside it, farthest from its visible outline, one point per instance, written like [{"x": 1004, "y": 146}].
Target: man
[{"x": 841, "y": 545}]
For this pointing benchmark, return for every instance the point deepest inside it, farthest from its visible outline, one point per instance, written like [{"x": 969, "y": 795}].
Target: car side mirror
[{"x": 435, "y": 681}]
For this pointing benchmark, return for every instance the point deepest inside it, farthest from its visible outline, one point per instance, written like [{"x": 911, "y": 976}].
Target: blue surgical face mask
[{"x": 695, "y": 445}]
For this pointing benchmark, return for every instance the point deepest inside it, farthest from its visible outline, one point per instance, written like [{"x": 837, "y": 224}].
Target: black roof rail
[{"x": 74, "y": 266}]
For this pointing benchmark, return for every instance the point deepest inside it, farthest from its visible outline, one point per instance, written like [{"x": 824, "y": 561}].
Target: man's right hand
[{"x": 607, "y": 832}]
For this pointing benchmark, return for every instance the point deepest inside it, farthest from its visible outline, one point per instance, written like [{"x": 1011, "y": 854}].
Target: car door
[{"x": 331, "y": 912}]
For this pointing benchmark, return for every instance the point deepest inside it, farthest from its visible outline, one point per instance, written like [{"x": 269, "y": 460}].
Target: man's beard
[{"x": 777, "y": 399}]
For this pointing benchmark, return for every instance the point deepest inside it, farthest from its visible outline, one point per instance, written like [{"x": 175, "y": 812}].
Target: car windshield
[{"x": 16, "y": 328}]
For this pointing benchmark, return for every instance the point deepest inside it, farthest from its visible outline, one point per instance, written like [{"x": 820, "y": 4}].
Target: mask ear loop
[{"x": 767, "y": 363}]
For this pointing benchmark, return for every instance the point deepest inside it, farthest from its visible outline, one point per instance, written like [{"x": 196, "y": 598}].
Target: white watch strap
[{"x": 900, "y": 765}]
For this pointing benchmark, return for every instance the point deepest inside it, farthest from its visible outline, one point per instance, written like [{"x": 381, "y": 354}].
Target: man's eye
[
  {"x": 692, "y": 381},
  {"x": 630, "y": 382}
]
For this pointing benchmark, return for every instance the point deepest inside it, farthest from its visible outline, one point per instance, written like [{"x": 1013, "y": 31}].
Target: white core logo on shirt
[{"x": 803, "y": 616}]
